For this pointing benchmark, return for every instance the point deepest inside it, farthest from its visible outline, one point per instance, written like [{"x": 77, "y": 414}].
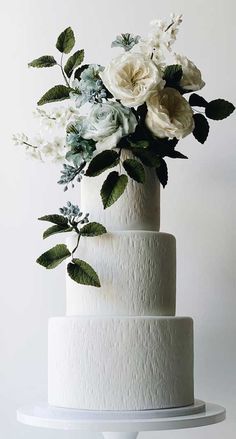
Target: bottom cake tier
[{"x": 120, "y": 363}]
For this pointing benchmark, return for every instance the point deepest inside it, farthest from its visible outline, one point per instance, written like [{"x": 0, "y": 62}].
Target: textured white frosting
[
  {"x": 137, "y": 209},
  {"x": 137, "y": 271},
  {"x": 120, "y": 363}
]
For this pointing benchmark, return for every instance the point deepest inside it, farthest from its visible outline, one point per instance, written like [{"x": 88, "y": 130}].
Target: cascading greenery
[{"x": 71, "y": 220}]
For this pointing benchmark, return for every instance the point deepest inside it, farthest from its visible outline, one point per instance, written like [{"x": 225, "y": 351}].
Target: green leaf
[
  {"x": 53, "y": 257},
  {"x": 93, "y": 229},
  {"x": 43, "y": 61},
  {"x": 176, "y": 154},
  {"x": 162, "y": 172},
  {"x": 201, "y": 128},
  {"x": 135, "y": 170},
  {"x": 80, "y": 70},
  {"x": 83, "y": 273},
  {"x": 173, "y": 74},
  {"x": 66, "y": 41},
  {"x": 143, "y": 144},
  {"x": 112, "y": 188},
  {"x": 105, "y": 160},
  {"x": 74, "y": 61},
  {"x": 56, "y": 93},
  {"x": 60, "y": 220},
  {"x": 148, "y": 158},
  {"x": 197, "y": 101},
  {"x": 219, "y": 109},
  {"x": 53, "y": 230}
]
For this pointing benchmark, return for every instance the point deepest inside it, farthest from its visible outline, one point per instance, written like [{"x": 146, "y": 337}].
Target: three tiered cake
[{"x": 120, "y": 347}]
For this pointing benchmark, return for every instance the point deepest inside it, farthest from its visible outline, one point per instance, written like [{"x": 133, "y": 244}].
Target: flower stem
[
  {"x": 77, "y": 244},
  {"x": 29, "y": 144},
  {"x": 34, "y": 147},
  {"x": 63, "y": 73},
  {"x": 169, "y": 26}
]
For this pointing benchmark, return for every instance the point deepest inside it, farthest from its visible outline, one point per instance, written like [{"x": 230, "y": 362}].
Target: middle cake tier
[{"x": 137, "y": 271}]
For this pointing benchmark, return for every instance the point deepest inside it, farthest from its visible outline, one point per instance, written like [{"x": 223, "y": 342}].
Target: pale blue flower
[
  {"x": 69, "y": 174},
  {"x": 126, "y": 41},
  {"x": 90, "y": 87},
  {"x": 73, "y": 214},
  {"x": 108, "y": 122}
]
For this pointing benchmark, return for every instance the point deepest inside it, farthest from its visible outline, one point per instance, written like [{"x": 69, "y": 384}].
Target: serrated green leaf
[
  {"x": 197, "y": 101},
  {"x": 93, "y": 229},
  {"x": 53, "y": 257},
  {"x": 43, "y": 61},
  {"x": 101, "y": 162},
  {"x": 74, "y": 61},
  {"x": 148, "y": 158},
  {"x": 219, "y": 109},
  {"x": 112, "y": 188},
  {"x": 56, "y": 93},
  {"x": 60, "y": 220},
  {"x": 201, "y": 128},
  {"x": 66, "y": 41},
  {"x": 135, "y": 170},
  {"x": 82, "y": 273},
  {"x": 53, "y": 230},
  {"x": 162, "y": 172},
  {"x": 173, "y": 74}
]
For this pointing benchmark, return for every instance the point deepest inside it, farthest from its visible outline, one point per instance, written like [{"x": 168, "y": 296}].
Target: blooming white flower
[
  {"x": 160, "y": 39},
  {"x": 192, "y": 78},
  {"x": 169, "y": 114},
  {"x": 19, "y": 139},
  {"x": 53, "y": 151},
  {"x": 131, "y": 78},
  {"x": 163, "y": 33},
  {"x": 107, "y": 123},
  {"x": 56, "y": 118}
]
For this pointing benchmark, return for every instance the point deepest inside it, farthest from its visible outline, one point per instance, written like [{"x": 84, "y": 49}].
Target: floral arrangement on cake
[{"x": 139, "y": 102}]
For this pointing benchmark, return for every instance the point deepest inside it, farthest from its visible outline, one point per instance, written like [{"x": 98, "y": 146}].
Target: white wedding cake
[{"x": 120, "y": 347}]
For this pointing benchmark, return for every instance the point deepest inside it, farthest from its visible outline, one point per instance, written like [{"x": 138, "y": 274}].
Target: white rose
[
  {"x": 192, "y": 78},
  {"x": 108, "y": 122},
  {"x": 131, "y": 78},
  {"x": 169, "y": 114}
]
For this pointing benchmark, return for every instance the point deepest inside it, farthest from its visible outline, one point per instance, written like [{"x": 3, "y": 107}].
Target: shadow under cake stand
[{"x": 121, "y": 424}]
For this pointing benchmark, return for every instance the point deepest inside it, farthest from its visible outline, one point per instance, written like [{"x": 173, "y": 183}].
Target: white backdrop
[{"x": 197, "y": 205}]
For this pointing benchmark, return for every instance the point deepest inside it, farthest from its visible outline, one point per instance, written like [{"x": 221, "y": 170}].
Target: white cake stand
[{"x": 121, "y": 425}]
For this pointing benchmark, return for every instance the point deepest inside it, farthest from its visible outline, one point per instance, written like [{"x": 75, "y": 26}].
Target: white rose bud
[
  {"x": 131, "y": 78},
  {"x": 169, "y": 114},
  {"x": 192, "y": 78},
  {"x": 108, "y": 122}
]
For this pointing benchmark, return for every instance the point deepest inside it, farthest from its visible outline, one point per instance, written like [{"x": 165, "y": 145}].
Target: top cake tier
[{"x": 138, "y": 208}]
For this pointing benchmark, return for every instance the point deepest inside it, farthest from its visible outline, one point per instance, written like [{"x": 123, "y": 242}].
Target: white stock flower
[
  {"x": 156, "y": 54},
  {"x": 56, "y": 118},
  {"x": 53, "y": 151},
  {"x": 19, "y": 139},
  {"x": 108, "y": 122},
  {"x": 160, "y": 39},
  {"x": 169, "y": 114},
  {"x": 192, "y": 78},
  {"x": 131, "y": 78}
]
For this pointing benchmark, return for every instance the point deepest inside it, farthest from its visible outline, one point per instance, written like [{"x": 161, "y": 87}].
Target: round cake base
[{"x": 121, "y": 425}]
